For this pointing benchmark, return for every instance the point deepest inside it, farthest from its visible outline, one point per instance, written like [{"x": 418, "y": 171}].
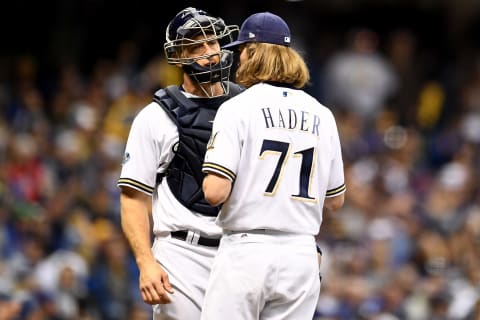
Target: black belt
[{"x": 208, "y": 242}]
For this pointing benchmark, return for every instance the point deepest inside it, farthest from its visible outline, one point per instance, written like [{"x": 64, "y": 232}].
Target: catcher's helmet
[{"x": 187, "y": 24}]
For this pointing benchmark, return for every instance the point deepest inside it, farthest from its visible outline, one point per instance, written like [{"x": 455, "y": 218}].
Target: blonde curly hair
[{"x": 274, "y": 63}]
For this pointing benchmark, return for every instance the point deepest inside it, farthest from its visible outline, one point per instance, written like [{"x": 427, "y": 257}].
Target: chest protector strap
[{"x": 193, "y": 118}]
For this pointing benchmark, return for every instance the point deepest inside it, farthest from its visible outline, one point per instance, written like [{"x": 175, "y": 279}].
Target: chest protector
[{"x": 193, "y": 118}]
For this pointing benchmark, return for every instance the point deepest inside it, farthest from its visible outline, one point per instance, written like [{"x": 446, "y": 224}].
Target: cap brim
[{"x": 234, "y": 44}]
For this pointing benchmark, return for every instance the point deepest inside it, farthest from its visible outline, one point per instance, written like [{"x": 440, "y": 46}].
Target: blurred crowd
[
  {"x": 405, "y": 246},
  {"x": 62, "y": 252},
  {"x": 407, "y": 243}
]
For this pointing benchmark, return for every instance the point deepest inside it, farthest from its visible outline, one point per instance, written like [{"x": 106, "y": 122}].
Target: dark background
[{"x": 84, "y": 31}]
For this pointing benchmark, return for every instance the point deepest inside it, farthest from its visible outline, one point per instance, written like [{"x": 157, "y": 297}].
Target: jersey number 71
[{"x": 306, "y": 169}]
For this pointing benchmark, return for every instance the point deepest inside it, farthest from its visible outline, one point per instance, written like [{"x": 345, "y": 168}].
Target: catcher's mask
[{"x": 180, "y": 32}]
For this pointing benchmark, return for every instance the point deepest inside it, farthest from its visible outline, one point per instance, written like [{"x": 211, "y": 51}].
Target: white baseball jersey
[
  {"x": 148, "y": 151},
  {"x": 281, "y": 149}
]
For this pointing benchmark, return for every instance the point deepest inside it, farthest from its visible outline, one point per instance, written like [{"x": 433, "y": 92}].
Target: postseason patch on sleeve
[{"x": 126, "y": 157}]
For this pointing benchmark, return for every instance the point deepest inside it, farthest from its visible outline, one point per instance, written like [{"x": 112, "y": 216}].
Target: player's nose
[{"x": 213, "y": 56}]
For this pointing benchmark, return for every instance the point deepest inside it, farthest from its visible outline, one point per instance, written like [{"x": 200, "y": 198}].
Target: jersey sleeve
[
  {"x": 223, "y": 149},
  {"x": 336, "y": 183},
  {"x": 151, "y": 136}
]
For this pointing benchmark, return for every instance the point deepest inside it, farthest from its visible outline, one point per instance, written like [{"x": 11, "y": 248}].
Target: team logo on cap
[
  {"x": 251, "y": 35},
  {"x": 286, "y": 39}
]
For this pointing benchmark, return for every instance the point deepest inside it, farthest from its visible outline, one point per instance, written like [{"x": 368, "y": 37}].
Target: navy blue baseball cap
[{"x": 263, "y": 27}]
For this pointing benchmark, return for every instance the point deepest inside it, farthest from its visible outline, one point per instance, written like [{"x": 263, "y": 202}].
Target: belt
[{"x": 195, "y": 238}]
